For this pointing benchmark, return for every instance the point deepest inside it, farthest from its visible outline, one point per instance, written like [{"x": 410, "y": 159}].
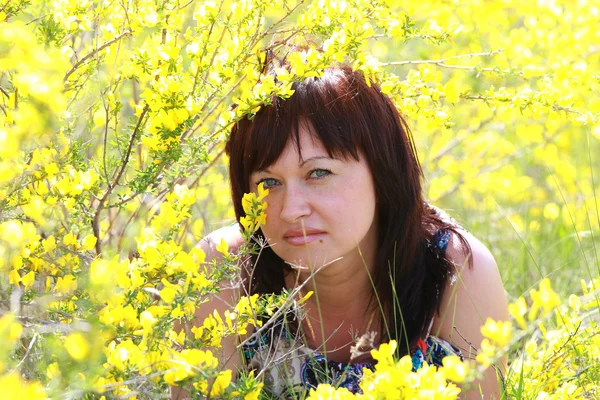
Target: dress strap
[
  {"x": 438, "y": 245},
  {"x": 440, "y": 240}
]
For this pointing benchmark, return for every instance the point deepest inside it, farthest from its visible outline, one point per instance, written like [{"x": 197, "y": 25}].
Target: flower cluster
[{"x": 254, "y": 206}]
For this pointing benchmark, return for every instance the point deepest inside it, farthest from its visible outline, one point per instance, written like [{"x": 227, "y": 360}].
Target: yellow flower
[
  {"x": 49, "y": 244},
  {"x": 328, "y": 392},
  {"x": 262, "y": 192},
  {"x": 14, "y": 387},
  {"x": 77, "y": 346},
  {"x": 35, "y": 209},
  {"x": 221, "y": 383},
  {"x": 177, "y": 312},
  {"x": 10, "y": 327},
  {"x": 70, "y": 239},
  {"x": 168, "y": 294},
  {"x": 518, "y": 309},
  {"x": 14, "y": 277},
  {"x": 545, "y": 298},
  {"x": 305, "y": 297},
  {"x": 254, "y": 207},
  {"x": 66, "y": 284},
  {"x": 255, "y": 392},
  {"x": 88, "y": 243},
  {"x": 385, "y": 354},
  {"x": 223, "y": 247},
  {"x": 487, "y": 353},
  {"x": 575, "y": 302},
  {"x": 261, "y": 218},
  {"x": 53, "y": 371},
  {"x": 248, "y": 224},
  {"x": 499, "y": 332},
  {"x": 51, "y": 169},
  {"x": 147, "y": 320},
  {"x": 247, "y": 202},
  {"x": 454, "y": 369},
  {"x": 551, "y": 211},
  {"x": 28, "y": 279}
]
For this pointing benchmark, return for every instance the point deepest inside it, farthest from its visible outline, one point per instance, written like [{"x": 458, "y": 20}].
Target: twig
[
  {"x": 107, "y": 118},
  {"x": 443, "y": 60},
  {"x": 458, "y": 140},
  {"x": 188, "y": 133},
  {"x": 4, "y": 92},
  {"x": 111, "y": 186},
  {"x": 289, "y": 12},
  {"x": 214, "y": 55},
  {"x": 94, "y": 52},
  {"x": 186, "y": 4},
  {"x": 31, "y": 343},
  {"x": 205, "y": 47},
  {"x": 36, "y": 19}
]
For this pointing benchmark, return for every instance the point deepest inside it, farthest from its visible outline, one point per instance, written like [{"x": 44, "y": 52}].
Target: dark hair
[{"x": 349, "y": 115}]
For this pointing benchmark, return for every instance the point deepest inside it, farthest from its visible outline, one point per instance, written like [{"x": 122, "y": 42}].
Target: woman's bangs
[
  {"x": 329, "y": 107},
  {"x": 269, "y": 135},
  {"x": 332, "y": 112}
]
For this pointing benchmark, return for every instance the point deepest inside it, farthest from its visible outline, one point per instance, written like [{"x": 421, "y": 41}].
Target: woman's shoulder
[
  {"x": 476, "y": 291},
  {"x": 476, "y": 256},
  {"x": 231, "y": 234},
  {"x": 475, "y": 266},
  {"x": 473, "y": 296},
  {"x": 460, "y": 246}
]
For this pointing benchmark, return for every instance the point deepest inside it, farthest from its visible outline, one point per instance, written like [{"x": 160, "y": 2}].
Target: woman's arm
[
  {"x": 476, "y": 295},
  {"x": 225, "y": 300}
]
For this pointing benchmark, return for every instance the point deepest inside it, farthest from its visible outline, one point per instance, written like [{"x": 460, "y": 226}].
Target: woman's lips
[{"x": 301, "y": 237}]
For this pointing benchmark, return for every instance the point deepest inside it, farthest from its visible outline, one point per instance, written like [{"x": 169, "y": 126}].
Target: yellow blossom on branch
[{"x": 499, "y": 332}]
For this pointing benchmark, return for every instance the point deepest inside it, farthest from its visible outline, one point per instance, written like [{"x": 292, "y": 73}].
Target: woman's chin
[{"x": 306, "y": 264}]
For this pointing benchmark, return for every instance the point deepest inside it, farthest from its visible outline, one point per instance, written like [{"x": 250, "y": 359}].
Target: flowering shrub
[{"x": 112, "y": 120}]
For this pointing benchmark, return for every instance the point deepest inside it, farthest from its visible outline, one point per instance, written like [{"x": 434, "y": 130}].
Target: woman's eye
[
  {"x": 268, "y": 182},
  {"x": 319, "y": 173}
]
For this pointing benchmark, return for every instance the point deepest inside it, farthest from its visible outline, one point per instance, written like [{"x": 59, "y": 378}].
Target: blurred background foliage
[{"x": 112, "y": 121}]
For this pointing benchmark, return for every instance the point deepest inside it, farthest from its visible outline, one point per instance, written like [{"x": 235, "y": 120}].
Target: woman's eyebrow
[
  {"x": 302, "y": 163},
  {"x": 316, "y": 158}
]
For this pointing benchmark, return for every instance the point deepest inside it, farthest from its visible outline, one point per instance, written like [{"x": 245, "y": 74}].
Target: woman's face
[{"x": 319, "y": 208}]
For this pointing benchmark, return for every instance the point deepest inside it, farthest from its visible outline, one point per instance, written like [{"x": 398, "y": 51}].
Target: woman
[{"x": 346, "y": 219}]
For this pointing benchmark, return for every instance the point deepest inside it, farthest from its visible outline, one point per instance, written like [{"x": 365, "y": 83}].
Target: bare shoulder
[
  {"x": 232, "y": 236},
  {"x": 475, "y": 265},
  {"x": 468, "y": 301},
  {"x": 476, "y": 293}
]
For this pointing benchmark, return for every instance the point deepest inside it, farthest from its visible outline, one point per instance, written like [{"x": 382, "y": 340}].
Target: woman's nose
[{"x": 295, "y": 204}]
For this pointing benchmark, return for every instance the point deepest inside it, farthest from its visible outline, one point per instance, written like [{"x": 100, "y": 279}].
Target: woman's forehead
[{"x": 308, "y": 150}]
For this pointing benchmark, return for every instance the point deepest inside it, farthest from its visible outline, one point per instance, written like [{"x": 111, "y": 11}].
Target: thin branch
[
  {"x": 31, "y": 343},
  {"x": 4, "y": 92},
  {"x": 111, "y": 186},
  {"x": 94, "y": 52},
  {"x": 289, "y": 12},
  {"x": 37, "y": 19},
  {"x": 205, "y": 48},
  {"x": 443, "y": 60},
  {"x": 458, "y": 140},
  {"x": 207, "y": 168},
  {"x": 186, "y": 4},
  {"x": 107, "y": 117},
  {"x": 214, "y": 55},
  {"x": 185, "y": 135}
]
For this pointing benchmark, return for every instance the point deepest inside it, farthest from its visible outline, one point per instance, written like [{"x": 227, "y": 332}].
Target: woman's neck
[
  {"x": 342, "y": 287},
  {"x": 340, "y": 309}
]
